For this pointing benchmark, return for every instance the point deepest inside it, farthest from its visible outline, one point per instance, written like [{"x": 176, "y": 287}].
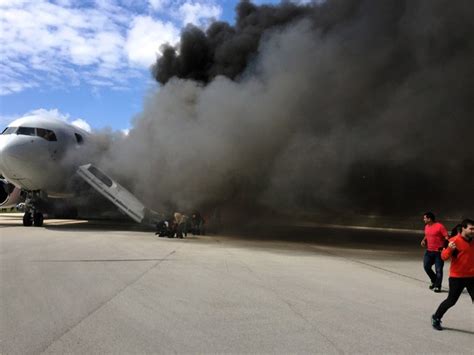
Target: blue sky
[{"x": 88, "y": 61}]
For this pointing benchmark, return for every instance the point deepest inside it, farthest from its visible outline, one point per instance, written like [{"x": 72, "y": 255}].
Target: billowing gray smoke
[{"x": 346, "y": 105}]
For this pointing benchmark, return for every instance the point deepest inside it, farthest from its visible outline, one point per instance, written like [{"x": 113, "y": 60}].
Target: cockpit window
[
  {"x": 46, "y": 134},
  {"x": 10, "y": 130},
  {"x": 30, "y": 131},
  {"x": 26, "y": 131}
]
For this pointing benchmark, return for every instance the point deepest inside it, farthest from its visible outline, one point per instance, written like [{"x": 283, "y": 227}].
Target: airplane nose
[
  {"x": 23, "y": 161},
  {"x": 4, "y": 140},
  {"x": 3, "y": 151},
  {"x": 12, "y": 154}
]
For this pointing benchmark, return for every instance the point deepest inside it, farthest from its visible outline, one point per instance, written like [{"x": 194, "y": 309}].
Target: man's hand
[
  {"x": 452, "y": 245},
  {"x": 423, "y": 243}
]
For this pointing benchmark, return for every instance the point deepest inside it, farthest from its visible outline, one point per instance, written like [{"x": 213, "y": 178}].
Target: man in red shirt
[
  {"x": 434, "y": 241},
  {"x": 461, "y": 273}
]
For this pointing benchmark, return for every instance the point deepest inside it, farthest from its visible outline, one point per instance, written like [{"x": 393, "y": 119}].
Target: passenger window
[
  {"x": 79, "y": 138},
  {"x": 46, "y": 134},
  {"x": 100, "y": 175},
  {"x": 26, "y": 131}
]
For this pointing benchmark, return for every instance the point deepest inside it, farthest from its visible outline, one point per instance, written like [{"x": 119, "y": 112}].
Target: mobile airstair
[{"x": 117, "y": 194}]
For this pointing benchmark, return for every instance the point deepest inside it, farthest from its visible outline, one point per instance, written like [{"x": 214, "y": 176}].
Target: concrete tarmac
[{"x": 78, "y": 287}]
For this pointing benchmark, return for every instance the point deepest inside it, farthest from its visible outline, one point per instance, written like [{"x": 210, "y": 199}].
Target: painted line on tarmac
[{"x": 102, "y": 304}]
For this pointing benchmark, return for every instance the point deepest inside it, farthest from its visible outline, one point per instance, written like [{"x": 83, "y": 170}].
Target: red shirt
[
  {"x": 435, "y": 236},
  {"x": 462, "y": 263}
]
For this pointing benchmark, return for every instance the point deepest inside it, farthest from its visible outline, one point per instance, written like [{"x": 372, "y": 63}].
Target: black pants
[{"x": 456, "y": 286}]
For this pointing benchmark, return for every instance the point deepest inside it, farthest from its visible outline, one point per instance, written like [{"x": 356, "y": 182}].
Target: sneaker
[
  {"x": 431, "y": 286},
  {"x": 436, "y": 323},
  {"x": 437, "y": 289}
]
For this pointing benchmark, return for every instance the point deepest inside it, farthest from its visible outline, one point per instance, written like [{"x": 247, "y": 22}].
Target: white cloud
[
  {"x": 158, "y": 5},
  {"x": 60, "y": 43},
  {"x": 57, "y": 41},
  {"x": 198, "y": 12},
  {"x": 145, "y": 38},
  {"x": 10, "y": 84},
  {"x": 45, "y": 113},
  {"x": 82, "y": 124},
  {"x": 56, "y": 114}
]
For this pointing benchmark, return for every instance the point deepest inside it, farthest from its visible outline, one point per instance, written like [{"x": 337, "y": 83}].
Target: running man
[{"x": 461, "y": 273}]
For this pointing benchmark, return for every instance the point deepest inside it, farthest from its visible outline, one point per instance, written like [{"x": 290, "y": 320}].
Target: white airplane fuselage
[
  {"x": 43, "y": 158},
  {"x": 41, "y": 154}
]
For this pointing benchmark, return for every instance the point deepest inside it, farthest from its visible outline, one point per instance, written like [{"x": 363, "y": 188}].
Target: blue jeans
[{"x": 430, "y": 258}]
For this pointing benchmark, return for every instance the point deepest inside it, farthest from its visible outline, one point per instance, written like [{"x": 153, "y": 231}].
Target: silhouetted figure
[
  {"x": 163, "y": 229},
  {"x": 197, "y": 224}
]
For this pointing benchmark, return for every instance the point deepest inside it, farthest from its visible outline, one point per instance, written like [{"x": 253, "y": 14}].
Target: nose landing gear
[
  {"x": 32, "y": 216},
  {"x": 27, "y": 219}
]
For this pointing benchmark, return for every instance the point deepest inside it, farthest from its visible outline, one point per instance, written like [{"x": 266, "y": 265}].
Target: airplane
[{"x": 45, "y": 159}]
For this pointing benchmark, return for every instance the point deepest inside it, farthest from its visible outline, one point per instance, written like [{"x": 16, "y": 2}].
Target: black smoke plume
[
  {"x": 223, "y": 49},
  {"x": 339, "y": 106}
]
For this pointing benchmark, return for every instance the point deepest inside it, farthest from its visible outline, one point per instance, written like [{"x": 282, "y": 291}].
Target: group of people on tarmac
[
  {"x": 179, "y": 225},
  {"x": 440, "y": 246}
]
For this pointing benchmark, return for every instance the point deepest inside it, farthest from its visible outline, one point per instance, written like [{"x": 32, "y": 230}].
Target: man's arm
[
  {"x": 448, "y": 252},
  {"x": 423, "y": 242}
]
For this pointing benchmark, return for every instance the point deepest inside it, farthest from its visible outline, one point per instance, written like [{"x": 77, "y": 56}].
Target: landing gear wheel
[
  {"x": 38, "y": 219},
  {"x": 27, "y": 219}
]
